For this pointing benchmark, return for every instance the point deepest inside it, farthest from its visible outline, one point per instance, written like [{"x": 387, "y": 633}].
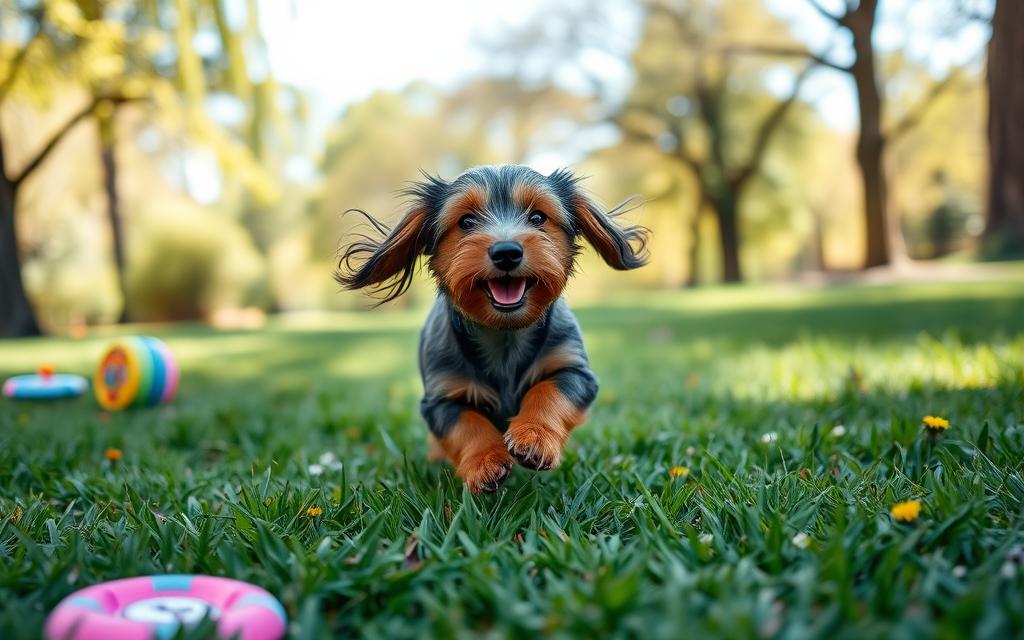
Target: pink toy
[{"x": 156, "y": 606}]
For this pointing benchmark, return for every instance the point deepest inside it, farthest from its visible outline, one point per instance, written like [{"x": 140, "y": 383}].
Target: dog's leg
[
  {"x": 549, "y": 411},
  {"x": 475, "y": 448},
  {"x": 434, "y": 451}
]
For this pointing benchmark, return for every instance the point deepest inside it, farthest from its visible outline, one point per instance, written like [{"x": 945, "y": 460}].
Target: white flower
[
  {"x": 690, "y": 451},
  {"x": 316, "y": 469},
  {"x": 1009, "y": 570},
  {"x": 770, "y": 437},
  {"x": 329, "y": 461},
  {"x": 802, "y": 540},
  {"x": 706, "y": 538},
  {"x": 959, "y": 571},
  {"x": 838, "y": 431}
]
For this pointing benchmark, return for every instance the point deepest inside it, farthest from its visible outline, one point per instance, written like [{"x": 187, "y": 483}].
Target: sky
[{"x": 340, "y": 51}]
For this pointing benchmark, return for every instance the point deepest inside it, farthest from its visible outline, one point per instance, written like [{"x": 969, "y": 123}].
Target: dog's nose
[{"x": 506, "y": 255}]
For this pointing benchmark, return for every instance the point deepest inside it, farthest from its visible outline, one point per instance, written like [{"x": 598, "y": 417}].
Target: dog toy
[
  {"x": 135, "y": 372},
  {"x": 157, "y": 606},
  {"x": 44, "y": 385}
]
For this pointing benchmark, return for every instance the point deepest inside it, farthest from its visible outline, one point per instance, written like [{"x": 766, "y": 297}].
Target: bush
[{"x": 186, "y": 264}]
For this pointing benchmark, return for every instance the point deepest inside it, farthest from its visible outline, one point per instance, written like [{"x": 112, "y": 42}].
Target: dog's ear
[
  {"x": 621, "y": 247},
  {"x": 386, "y": 264}
]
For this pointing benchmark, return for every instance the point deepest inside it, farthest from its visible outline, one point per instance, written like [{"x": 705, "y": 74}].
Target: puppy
[{"x": 505, "y": 374}]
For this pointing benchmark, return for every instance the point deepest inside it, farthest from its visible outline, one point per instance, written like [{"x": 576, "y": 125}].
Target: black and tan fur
[{"x": 505, "y": 379}]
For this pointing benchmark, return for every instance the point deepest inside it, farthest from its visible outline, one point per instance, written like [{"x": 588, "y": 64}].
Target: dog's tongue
[{"x": 507, "y": 290}]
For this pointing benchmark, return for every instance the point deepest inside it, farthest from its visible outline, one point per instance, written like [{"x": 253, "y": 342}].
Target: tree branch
[
  {"x": 680, "y": 151},
  {"x": 824, "y": 12},
  {"x": 787, "y": 52},
  {"x": 54, "y": 140},
  {"x": 19, "y": 60},
  {"x": 768, "y": 127},
  {"x": 686, "y": 157},
  {"x": 914, "y": 115}
]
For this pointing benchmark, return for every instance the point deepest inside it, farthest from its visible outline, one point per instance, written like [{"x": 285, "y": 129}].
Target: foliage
[
  {"x": 186, "y": 263},
  {"x": 747, "y": 388}
]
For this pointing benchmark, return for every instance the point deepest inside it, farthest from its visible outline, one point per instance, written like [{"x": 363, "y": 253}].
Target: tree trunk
[
  {"x": 693, "y": 257},
  {"x": 726, "y": 211},
  {"x": 16, "y": 315},
  {"x": 1004, "y": 227},
  {"x": 871, "y": 142},
  {"x": 817, "y": 240},
  {"x": 116, "y": 225}
]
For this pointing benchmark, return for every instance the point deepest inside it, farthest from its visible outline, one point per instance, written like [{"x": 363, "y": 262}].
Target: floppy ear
[
  {"x": 386, "y": 264},
  {"x": 622, "y": 248}
]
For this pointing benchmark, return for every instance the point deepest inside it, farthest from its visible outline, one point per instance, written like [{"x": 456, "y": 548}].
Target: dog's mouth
[{"x": 507, "y": 293}]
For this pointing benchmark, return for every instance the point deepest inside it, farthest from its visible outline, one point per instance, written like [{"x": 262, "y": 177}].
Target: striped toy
[{"x": 135, "y": 372}]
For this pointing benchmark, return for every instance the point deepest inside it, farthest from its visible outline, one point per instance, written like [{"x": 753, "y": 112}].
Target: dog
[{"x": 505, "y": 375}]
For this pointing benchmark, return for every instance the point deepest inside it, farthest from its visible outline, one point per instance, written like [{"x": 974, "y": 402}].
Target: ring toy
[
  {"x": 45, "y": 385},
  {"x": 135, "y": 371},
  {"x": 157, "y": 606},
  {"x": 172, "y": 373}
]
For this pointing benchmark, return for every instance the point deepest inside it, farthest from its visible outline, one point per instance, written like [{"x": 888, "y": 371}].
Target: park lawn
[{"x": 793, "y": 412}]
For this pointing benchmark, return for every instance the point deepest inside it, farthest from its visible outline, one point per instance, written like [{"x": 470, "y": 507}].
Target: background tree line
[{"x": 152, "y": 168}]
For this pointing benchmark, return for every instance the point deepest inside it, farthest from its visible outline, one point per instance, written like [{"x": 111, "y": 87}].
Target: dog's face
[{"x": 501, "y": 242}]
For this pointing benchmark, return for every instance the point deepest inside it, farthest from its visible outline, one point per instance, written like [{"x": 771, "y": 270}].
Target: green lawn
[{"x": 744, "y": 387}]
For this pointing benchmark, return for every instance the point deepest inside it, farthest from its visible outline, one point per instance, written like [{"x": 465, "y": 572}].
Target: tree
[
  {"x": 17, "y": 317},
  {"x": 1004, "y": 228},
  {"x": 682, "y": 102},
  {"x": 118, "y": 53},
  {"x": 859, "y": 19}
]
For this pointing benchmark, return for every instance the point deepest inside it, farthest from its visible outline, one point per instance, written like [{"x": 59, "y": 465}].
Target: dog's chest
[{"x": 502, "y": 363}]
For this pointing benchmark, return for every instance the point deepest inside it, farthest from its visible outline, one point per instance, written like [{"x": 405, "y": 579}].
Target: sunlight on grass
[{"x": 798, "y": 422}]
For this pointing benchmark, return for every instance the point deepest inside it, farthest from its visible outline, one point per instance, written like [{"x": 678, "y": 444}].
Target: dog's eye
[
  {"x": 467, "y": 221},
  {"x": 537, "y": 218}
]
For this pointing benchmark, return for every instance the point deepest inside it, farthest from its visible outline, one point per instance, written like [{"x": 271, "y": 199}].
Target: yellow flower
[
  {"x": 906, "y": 511},
  {"x": 113, "y": 454},
  {"x": 679, "y": 472},
  {"x": 935, "y": 423},
  {"x": 313, "y": 512}
]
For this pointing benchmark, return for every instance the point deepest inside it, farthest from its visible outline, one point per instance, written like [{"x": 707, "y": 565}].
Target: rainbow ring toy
[
  {"x": 136, "y": 371},
  {"x": 157, "y": 606}
]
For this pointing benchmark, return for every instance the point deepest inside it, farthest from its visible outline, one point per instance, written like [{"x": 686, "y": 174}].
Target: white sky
[{"x": 340, "y": 51}]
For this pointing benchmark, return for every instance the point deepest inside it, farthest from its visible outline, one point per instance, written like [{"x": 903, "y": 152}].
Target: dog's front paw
[
  {"x": 535, "y": 446},
  {"x": 485, "y": 471}
]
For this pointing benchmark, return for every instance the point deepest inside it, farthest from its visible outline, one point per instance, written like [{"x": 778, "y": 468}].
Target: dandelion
[
  {"x": 679, "y": 472},
  {"x": 959, "y": 571},
  {"x": 838, "y": 431},
  {"x": 267, "y": 502},
  {"x": 935, "y": 423},
  {"x": 906, "y": 511},
  {"x": 706, "y": 538},
  {"x": 801, "y": 540},
  {"x": 313, "y": 512},
  {"x": 113, "y": 454},
  {"x": 690, "y": 451},
  {"x": 316, "y": 469},
  {"x": 770, "y": 437}
]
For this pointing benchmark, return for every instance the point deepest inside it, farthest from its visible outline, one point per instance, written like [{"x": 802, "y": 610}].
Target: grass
[{"x": 744, "y": 387}]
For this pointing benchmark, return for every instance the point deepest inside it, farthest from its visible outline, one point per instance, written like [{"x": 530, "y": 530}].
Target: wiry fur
[{"x": 523, "y": 371}]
